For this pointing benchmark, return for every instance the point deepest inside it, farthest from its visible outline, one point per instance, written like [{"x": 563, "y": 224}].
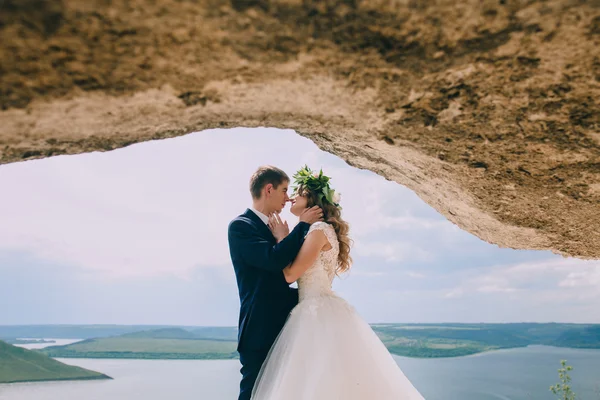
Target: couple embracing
[{"x": 305, "y": 343}]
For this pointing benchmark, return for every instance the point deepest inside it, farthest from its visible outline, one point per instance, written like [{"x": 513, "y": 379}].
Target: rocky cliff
[{"x": 488, "y": 110}]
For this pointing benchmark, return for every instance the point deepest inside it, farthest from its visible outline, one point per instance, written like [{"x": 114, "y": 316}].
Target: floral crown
[{"x": 318, "y": 183}]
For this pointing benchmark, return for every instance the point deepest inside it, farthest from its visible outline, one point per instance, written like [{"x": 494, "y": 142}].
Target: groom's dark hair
[{"x": 263, "y": 176}]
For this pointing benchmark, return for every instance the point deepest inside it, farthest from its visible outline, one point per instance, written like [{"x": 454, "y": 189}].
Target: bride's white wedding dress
[{"x": 326, "y": 351}]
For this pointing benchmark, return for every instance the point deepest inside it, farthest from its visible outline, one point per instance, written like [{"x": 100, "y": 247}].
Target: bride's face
[{"x": 299, "y": 204}]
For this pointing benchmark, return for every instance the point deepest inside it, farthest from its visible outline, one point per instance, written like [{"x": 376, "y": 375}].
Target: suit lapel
[{"x": 264, "y": 229}]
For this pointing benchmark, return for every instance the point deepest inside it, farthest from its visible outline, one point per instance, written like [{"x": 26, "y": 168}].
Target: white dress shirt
[{"x": 262, "y": 216}]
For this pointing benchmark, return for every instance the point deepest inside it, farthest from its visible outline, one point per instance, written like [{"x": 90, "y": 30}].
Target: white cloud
[
  {"x": 366, "y": 273},
  {"x": 589, "y": 277},
  {"x": 396, "y": 251},
  {"x": 496, "y": 289},
  {"x": 162, "y": 207},
  {"x": 156, "y": 214},
  {"x": 551, "y": 281},
  {"x": 416, "y": 275},
  {"x": 120, "y": 212},
  {"x": 379, "y": 212},
  {"x": 454, "y": 293}
]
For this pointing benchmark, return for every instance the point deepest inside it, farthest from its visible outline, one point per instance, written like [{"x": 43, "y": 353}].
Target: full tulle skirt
[{"x": 326, "y": 351}]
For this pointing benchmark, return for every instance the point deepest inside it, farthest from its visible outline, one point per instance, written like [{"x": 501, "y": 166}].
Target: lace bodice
[{"x": 317, "y": 280}]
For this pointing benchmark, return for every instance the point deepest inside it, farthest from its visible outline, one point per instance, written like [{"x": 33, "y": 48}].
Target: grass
[
  {"x": 151, "y": 345},
  {"x": 21, "y": 365},
  {"x": 146, "y": 348},
  {"x": 412, "y": 340},
  {"x": 429, "y": 341}
]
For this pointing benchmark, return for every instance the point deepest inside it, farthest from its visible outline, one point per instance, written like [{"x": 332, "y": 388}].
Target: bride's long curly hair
[{"x": 333, "y": 216}]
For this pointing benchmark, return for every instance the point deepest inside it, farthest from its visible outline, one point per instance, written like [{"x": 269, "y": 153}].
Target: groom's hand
[
  {"x": 312, "y": 215},
  {"x": 278, "y": 227}
]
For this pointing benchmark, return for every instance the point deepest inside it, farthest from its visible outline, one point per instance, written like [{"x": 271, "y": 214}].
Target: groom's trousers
[{"x": 251, "y": 362}]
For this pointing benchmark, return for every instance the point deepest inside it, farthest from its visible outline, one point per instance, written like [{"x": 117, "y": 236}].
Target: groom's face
[{"x": 277, "y": 196}]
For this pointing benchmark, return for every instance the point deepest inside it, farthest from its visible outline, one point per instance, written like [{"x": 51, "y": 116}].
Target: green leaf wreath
[{"x": 317, "y": 183}]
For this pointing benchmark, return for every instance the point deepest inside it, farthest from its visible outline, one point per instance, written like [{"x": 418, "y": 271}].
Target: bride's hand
[{"x": 278, "y": 227}]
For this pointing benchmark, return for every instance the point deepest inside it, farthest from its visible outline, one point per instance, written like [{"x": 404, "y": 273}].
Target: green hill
[
  {"x": 204, "y": 343},
  {"x": 98, "y": 331},
  {"x": 588, "y": 337},
  {"x": 216, "y": 332},
  {"x": 451, "y": 340},
  {"x": 28, "y": 341},
  {"x": 164, "y": 333},
  {"x": 147, "y": 345},
  {"x": 21, "y": 365},
  {"x": 207, "y": 333},
  {"x": 73, "y": 331},
  {"x": 413, "y": 340},
  {"x": 447, "y": 340}
]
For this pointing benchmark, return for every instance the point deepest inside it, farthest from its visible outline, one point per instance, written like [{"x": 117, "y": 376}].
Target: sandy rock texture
[{"x": 488, "y": 110}]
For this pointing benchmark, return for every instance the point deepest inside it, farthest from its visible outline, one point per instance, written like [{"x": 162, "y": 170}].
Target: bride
[{"x": 326, "y": 351}]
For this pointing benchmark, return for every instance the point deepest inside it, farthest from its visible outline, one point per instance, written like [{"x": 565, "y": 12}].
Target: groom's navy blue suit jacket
[{"x": 266, "y": 299}]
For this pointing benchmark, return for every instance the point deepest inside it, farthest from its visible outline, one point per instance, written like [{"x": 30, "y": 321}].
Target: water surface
[{"x": 516, "y": 374}]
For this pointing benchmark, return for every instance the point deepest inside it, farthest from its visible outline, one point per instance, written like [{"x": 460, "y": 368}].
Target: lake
[
  {"x": 57, "y": 342},
  {"x": 515, "y": 374}
]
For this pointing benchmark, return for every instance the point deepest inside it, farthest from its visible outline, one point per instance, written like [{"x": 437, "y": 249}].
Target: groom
[{"x": 258, "y": 260}]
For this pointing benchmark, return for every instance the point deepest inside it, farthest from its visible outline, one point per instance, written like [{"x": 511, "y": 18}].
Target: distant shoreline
[
  {"x": 28, "y": 341},
  {"x": 418, "y": 341},
  {"x": 89, "y": 378},
  {"x": 217, "y": 357},
  {"x": 144, "y": 356}
]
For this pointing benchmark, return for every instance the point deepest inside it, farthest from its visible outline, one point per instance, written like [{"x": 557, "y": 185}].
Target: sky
[{"x": 139, "y": 236}]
